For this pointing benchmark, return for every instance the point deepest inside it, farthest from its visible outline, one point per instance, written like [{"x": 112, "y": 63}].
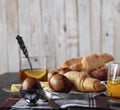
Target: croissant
[
  {"x": 88, "y": 63},
  {"x": 91, "y": 62},
  {"x": 94, "y": 61},
  {"x": 73, "y": 63},
  {"x": 82, "y": 82},
  {"x": 106, "y": 57}
]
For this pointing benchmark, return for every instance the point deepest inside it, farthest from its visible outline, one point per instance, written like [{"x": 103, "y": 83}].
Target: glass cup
[
  {"x": 38, "y": 71},
  {"x": 113, "y": 81}
]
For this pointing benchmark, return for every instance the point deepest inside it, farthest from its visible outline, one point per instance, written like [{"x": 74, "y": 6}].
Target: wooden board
[
  {"x": 3, "y": 38},
  {"x": 58, "y": 29},
  {"x": 71, "y": 19},
  {"x": 12, "y": 32},
  {"x": 84, "y": 27}
]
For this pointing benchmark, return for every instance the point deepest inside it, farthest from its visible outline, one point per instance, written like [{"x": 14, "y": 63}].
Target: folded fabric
[{"x": 44, "y": 105}]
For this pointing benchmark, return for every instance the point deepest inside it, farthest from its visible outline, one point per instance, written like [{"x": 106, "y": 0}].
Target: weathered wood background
[{"x": 58, "y": 29}]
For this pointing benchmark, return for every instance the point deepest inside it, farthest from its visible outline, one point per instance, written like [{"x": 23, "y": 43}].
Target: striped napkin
[
  {"x": 71, "y": 100},
  {"x": 62, "y": 102}
]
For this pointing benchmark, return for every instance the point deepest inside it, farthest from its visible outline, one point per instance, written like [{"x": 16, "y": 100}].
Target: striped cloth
[{"x": 99, "y": 102}]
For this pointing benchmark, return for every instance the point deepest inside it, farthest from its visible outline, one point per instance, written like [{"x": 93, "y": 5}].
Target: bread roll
[
  {"x": 99, "y": 73},
  {"x": 82, "y": 82}
]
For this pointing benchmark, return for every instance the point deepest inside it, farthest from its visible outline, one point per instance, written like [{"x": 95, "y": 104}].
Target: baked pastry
[
  {"x": 76, "y": 66},
  {"x": 88, "y": 63},
  {"x": 63, "y": 70},
  {"x": 106, "y": 57},
  {"x": 82, "y": 82},
  {"x": 99, "y": 73},
  {"x": 56, "y": 71},
  {"x": 73, "y": 63},
  {"x": 92, "y": 62}
]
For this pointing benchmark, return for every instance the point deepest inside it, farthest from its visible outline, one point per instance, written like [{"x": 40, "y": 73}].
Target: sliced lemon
[
  {"x": 117, "y": 81},
  {"x": 38, "y": 74},
  {"x": 44, "y": 85},
  {"x": 15, "y": 87}
]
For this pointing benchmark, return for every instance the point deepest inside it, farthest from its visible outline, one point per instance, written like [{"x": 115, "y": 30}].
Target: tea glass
[
  {"x": 38, "y": 70},
  {"x": 113, "y": 82}
]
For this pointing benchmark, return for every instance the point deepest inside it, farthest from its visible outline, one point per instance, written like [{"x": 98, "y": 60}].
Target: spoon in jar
[{"x": 24, "y": 49}]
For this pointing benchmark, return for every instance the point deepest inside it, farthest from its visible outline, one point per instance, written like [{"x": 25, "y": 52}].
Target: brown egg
[
  {"x": 60, "y": 83},
  {"x": 30, "y": 83}
]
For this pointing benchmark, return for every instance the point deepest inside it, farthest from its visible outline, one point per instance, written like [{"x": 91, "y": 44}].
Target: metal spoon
[{"x": 24, "y": 49}]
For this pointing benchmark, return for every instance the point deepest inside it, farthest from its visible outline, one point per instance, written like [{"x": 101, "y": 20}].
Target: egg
[
  {"x": 60, "y": 83},
  {"x": 30, "y": 83}
]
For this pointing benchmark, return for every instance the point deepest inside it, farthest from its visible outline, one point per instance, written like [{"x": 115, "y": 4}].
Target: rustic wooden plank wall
[{"x": 58, "y": 29}]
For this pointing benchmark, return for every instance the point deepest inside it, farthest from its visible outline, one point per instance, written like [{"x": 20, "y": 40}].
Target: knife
[{"x": 50, "y": 101}]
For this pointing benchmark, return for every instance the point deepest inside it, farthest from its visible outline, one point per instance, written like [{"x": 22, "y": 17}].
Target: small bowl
[{"x": 31, "y": 96}]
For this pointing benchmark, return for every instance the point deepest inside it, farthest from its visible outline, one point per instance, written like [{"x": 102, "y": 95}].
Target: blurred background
[{"x": 58, "y": 29}]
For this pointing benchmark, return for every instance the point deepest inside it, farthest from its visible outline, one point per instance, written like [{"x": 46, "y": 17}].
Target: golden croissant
[{"x": 82, "y": 82}]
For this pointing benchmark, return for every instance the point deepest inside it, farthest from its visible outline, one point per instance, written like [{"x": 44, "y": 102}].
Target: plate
[
  {"x": 114, "y": 101},
  {"x": 76, "y": 95},
  {"x": 7, "y": 89}
]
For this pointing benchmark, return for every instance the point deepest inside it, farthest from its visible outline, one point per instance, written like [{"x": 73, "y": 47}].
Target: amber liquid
[
  {"x": 41, "y": 75},
  {"x": 113, "y": 88}
]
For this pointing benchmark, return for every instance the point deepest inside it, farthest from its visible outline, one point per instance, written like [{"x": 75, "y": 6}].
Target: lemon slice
[
  {"x": 44, "y": 85},
  {"x": 117, "y": 81},
  {"x": 15, "y": 87},
  {"x": 38, "y": 74}
]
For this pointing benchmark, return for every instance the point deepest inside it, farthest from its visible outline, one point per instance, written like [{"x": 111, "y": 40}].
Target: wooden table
[
  {"x": 6, "y": 101},
  {"x": 5, "y": 81}
]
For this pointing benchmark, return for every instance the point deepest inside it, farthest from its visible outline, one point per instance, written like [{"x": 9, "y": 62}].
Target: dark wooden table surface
[
  {"x": 5, "y": 81},
  {"x": 12, "y": 78}
]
